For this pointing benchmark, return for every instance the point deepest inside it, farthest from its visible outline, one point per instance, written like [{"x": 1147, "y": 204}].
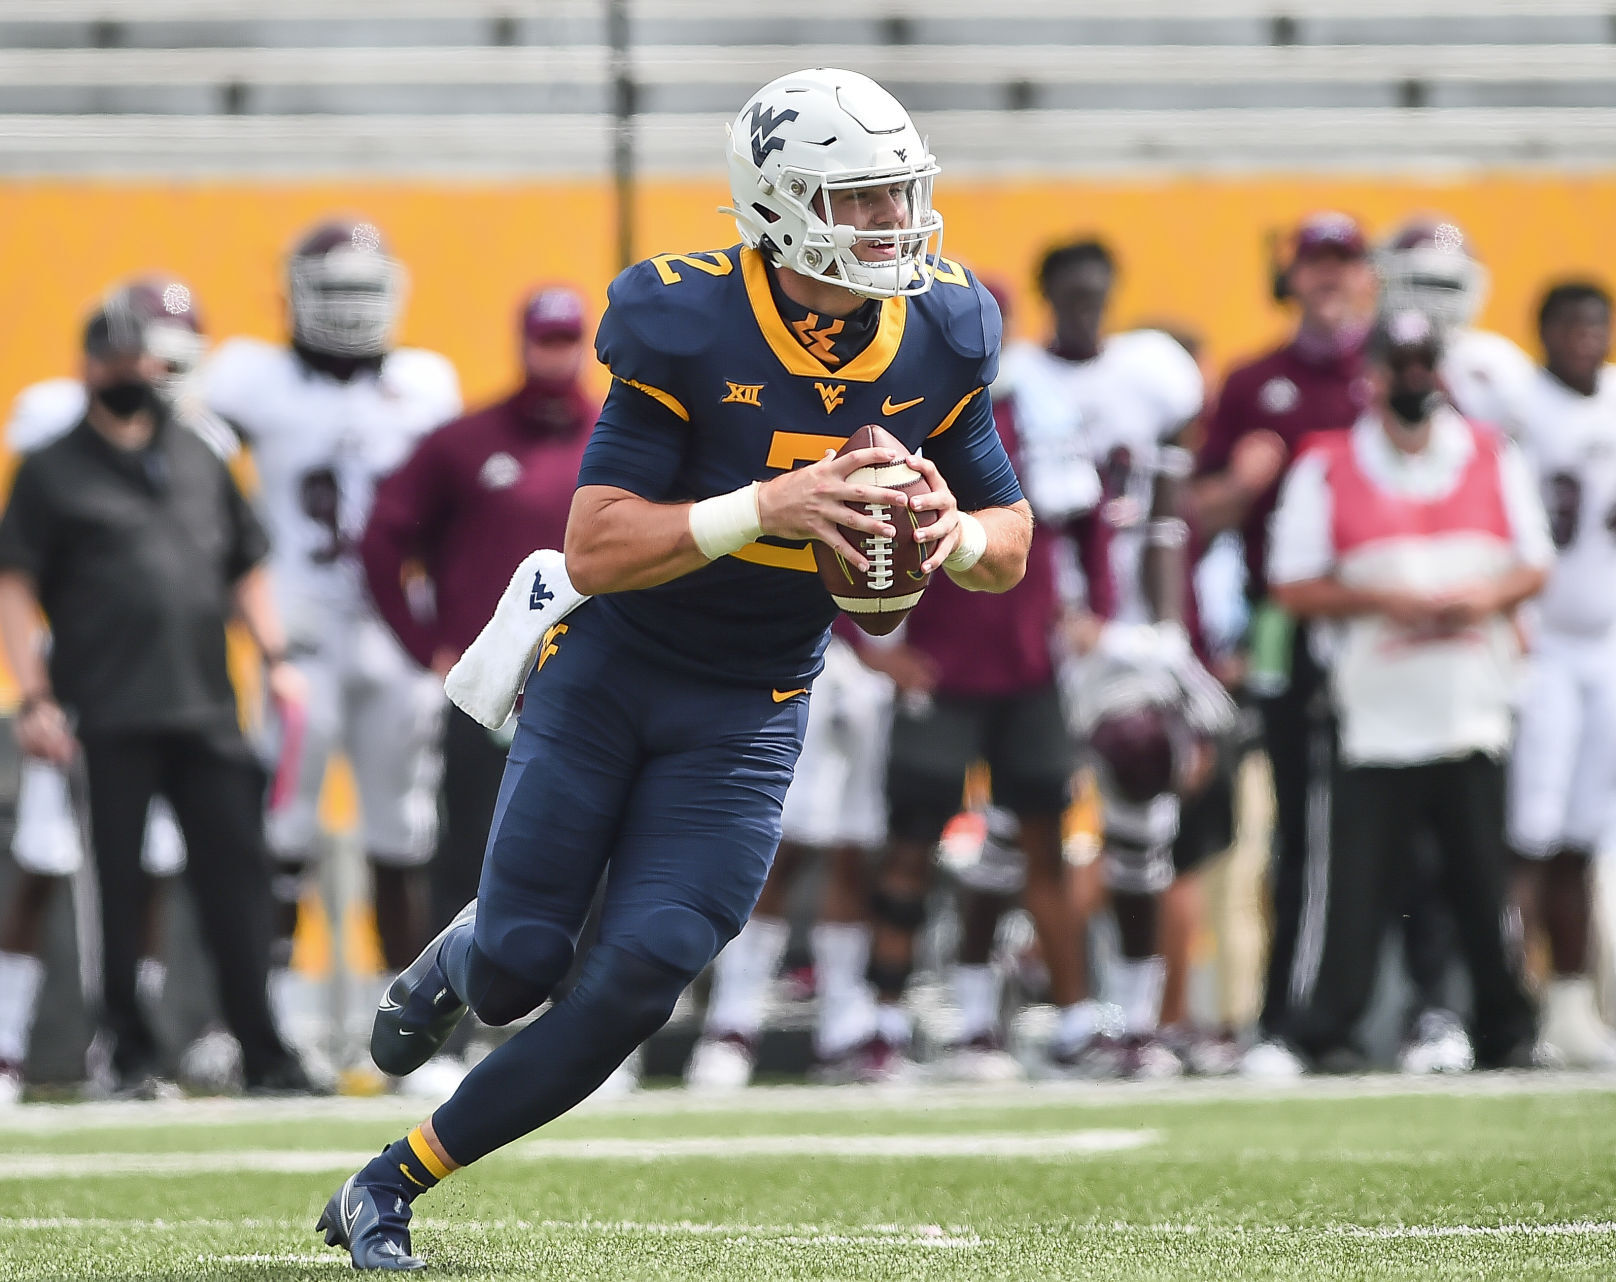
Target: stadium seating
[{"x": 529, "y": 86}]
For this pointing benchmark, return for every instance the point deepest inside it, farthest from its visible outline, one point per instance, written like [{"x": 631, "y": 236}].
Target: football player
[
  {"x": 47, "y": 843},
  {"x": 1427, "y": 266},
  {"x": 1564, "y": 763},
  {"x": 836, "y": 805},
  {"x": 1122, "y": 401},
  {"x": 326, "y": 415},
  {"x": 662, "y": 721}
]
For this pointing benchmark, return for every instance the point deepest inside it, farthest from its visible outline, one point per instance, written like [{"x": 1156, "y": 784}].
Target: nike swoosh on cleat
[
  {"x": 888, "y": 408},
  {"x": 349, "y": 1220},
  {"x": 780, "y": 696}
]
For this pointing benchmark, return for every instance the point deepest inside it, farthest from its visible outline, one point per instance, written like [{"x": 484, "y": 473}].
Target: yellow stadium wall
[
  {"x": 1193, "y": 252},
  {"x": 1192, "y": 249}
]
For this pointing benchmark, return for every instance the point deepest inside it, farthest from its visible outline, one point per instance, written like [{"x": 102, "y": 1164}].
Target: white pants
[
  {"x": 1562, "y": 776},
  {"x": 369, "y": 699},
  {"x": 49, "y": 841},
  {"x": 838, "y": 794}
]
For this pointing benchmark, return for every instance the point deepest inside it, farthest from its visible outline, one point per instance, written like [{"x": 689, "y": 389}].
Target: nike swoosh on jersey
[
  {"x": 888, "y": 408},
  {"x": 780, "y": 696}
]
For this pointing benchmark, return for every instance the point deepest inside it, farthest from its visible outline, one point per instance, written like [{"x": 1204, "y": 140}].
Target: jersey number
[
  {"x": 712, "y": 264},
  {"x": 1562, "y": 496},
  {"x": 321, "y": 500}
]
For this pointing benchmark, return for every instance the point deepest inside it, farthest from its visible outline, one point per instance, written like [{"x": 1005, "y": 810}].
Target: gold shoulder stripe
[
  {"x": 658, "y": 395},
  {"x": 777, "y": 557},
  {"x": 953, "y": 414}
]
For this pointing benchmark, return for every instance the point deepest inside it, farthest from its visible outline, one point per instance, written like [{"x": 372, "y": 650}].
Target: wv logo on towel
[{"x": 540, "y": 593}]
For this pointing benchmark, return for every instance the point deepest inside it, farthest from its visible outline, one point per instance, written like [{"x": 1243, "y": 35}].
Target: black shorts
[
  {"x": 1022, "y": 738},
  {"x": 1206, "y": 820}
]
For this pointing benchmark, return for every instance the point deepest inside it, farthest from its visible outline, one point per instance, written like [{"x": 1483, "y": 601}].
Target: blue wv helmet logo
[
  {"x": 764, "y": 123},
  {"x": 540, "y": 593}
]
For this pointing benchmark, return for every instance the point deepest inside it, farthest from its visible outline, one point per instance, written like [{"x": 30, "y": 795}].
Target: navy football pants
[{"x": 667, "y": 783}]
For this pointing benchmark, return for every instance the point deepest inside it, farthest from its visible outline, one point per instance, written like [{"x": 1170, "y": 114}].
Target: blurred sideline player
[
  {"x": 661, "y": 724},
  {"x": 326, "y": 415},
  {"x": 1562, "y": 782},
  {"x": 836, "y": 805},
  {"x": 48, "y": 842},
  {"x": 1123, "y": 401},
  {"x": 975, "y": 683},
  {"x": 1427, "y": 266}
]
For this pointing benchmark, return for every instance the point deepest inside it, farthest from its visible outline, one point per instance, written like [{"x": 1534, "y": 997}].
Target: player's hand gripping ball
[{"x": 878, "y": 598}]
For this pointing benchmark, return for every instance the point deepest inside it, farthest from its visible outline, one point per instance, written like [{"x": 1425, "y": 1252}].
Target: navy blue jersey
[{"x": 711, "y": 390}]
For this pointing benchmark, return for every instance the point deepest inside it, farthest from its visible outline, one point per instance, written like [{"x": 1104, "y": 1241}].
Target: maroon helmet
[
  {"x": 1427, "y": 266},
  {"x": 345, "y": 289},
  {"x": 154, "y": 313},
  {"x": 1136, "y": 752}
]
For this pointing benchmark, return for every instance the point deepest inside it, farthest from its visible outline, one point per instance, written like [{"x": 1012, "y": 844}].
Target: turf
[{"x": 1505, "y": 1179}]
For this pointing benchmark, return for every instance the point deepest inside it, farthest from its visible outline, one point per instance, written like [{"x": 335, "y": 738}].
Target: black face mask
[
  {"x": 126, "y": 399},
  {"x": 1413, "y": 405}
]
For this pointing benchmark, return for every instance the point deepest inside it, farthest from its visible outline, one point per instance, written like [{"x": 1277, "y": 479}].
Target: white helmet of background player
[
  {"x": 345, "y": 290},
  {"x": 1426, "y": 266},
  {"x": 171, "y": 326},
  {"x": 804, "y": 136}
]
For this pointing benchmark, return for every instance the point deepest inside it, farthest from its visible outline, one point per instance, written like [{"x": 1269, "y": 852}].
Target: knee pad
[
  {"x": 1136, "y": 869},
  {"x": 498, "y": 995},
  {"x": 903, "y": 911},
  {"x": 629, "y": 994},
  {"x": 681, "y": 939}
]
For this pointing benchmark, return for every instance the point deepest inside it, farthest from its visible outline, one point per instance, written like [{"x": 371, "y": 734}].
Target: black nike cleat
[
  {"x": 419, "y": 1009},
  {"x": 373, "y": 1224}
]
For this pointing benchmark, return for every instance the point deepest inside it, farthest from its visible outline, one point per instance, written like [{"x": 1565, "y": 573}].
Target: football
[{"x": 878, "y": 598}]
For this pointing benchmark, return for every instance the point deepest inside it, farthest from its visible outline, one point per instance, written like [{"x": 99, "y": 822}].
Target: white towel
[{"x": 490, "y": 674}]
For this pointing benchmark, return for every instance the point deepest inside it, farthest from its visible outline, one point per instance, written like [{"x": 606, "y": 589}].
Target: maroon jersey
[
  {"x": 989, "y": 644},
  {"x": 1291, "y": 391},
  {"x": 476, "y": 497}
]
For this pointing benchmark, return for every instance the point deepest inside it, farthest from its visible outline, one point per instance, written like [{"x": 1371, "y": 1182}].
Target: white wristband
[
  {"x": 973, "y": 542},
  {"x": 726, "y": 523}
]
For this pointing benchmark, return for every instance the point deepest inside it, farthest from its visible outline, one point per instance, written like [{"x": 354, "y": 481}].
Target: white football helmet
[
  {"x": 345, "y": 290},
  {"x": 804, "y": 137},
  {"x": 1426, "y": 266}
]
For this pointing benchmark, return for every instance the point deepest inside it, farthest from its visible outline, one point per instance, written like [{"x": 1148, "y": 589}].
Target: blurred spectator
[
  {"x": 1564, "y": 769},
  {"x": 326, "y": 416},
  {"x": 47, "y": 843},
  {"x": 131, "y": 536},
  {"x": 1313, "y": 381},
  {"x": 1412, "y": 537},
  {"x": 473, "y": 499}
]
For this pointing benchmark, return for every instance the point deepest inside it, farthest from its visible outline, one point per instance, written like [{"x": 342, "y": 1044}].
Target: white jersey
[
  {"x": 46, "y": 410},
  {"x": 1112, "y": 415},
  {"x": 1487, "y": 377},
  {"x": 1570, "y": 440},
  {"x": 319, "y": 447}
]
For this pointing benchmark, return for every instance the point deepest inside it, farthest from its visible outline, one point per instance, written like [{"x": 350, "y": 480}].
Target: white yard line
[
  {"x": 1055, "y": 1145},
  {"x": 919, "y": 1235},
  {"x": 935, "y": 1236},
  {"x": 53, "y": 1118}
]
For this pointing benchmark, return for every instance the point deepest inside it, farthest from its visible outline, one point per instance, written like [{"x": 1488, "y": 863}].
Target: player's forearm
[
  {"x": 255, "y": 605},
  {"x": 1004, "y": 559},
  {"x": 22, "y": 634},
  {"x": 1219, "y": 502},
  {"x": 618, "y": 542},
  {"x": 1167, "y": 539},
  {"x": 1328, "y": 598}
]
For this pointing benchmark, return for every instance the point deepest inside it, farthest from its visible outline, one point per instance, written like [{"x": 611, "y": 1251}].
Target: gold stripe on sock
[{"x": 429, "y": 1159}]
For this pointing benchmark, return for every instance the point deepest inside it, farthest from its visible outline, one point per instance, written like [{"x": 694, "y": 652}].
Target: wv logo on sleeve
[
  {"x": 764, "y": 123},
  {"x": 540, "y": 593}
]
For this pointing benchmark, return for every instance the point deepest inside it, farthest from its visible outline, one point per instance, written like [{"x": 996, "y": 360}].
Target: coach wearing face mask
[
  {"x": 1411, "y": 538},
  {"x": 131, "y": 538}
]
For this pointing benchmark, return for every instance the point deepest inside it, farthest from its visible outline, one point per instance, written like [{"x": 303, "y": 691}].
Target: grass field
[{"x": 1495, "y": 1178}]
